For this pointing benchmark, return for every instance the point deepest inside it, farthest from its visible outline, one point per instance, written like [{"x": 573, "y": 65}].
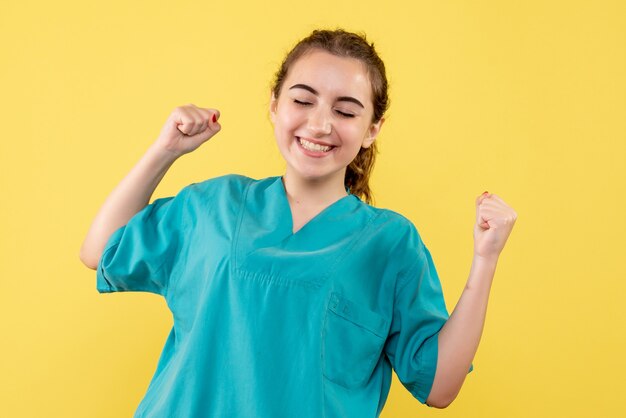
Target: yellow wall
[{"x": 523, "y": 99}]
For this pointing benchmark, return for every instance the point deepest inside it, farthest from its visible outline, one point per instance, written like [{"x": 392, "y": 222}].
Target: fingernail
[{"x": 214, "y": 118}]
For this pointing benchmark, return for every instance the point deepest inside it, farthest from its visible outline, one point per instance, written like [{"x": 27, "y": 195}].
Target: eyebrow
[{"x": 339, "y": 99}]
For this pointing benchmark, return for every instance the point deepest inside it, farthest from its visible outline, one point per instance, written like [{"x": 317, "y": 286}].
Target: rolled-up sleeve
[
  {"x": 141, "y": 255},
  {"x": 419, "y": 314}
]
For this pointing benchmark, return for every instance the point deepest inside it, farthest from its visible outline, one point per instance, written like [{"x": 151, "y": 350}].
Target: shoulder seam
[
  {"x": 184, "y": 244},
  {"x": 405, "y": 278},
  {"x": 235, "y": 242}
]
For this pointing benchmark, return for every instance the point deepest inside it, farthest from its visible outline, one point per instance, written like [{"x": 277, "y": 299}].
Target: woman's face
[{"x": 323, "y": 115}]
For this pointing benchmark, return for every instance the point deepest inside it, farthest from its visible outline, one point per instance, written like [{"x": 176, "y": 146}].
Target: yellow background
[{"x": 523, "y": 99}]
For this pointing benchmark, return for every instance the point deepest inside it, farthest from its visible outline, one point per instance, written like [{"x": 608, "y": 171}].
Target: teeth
[{"x": 313, "y": 147}]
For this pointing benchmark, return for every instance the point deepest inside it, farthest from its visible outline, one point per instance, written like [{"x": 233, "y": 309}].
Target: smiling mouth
[{"x": 312, "y": 147}]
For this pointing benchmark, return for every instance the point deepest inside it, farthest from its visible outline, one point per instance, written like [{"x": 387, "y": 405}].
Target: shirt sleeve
[
  {"x": 141, "y": 255},
  {"x": 419, "y": 314}
]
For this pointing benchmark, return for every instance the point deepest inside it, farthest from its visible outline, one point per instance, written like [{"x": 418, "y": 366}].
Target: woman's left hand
[{"x": 494, "y": 222}]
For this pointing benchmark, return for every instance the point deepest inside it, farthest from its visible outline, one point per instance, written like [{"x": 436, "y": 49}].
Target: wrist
[
  {"x": 482, "y": 272},
  {"x": 161, "y": 156},
  {"x": 486, "y": 259}
]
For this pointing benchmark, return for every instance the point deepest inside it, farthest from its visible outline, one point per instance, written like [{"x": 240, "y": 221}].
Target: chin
[{"x": 316, "y": 175}]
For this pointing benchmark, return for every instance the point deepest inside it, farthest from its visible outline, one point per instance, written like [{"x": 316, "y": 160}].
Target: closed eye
[{"x": 344, "y": 114}]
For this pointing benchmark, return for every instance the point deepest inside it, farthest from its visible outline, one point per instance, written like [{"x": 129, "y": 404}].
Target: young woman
[{"x": 291, "y": 296}]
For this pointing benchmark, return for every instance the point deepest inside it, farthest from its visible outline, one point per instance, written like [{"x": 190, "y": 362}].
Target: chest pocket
[{"x": 352, "y": 341}]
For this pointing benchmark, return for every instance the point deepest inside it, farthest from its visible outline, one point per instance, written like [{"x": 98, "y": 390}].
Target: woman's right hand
[{"x": 187, "y": 128}]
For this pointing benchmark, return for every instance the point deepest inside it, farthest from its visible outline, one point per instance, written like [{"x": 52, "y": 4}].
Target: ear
[
  {"x": 373, "y": 131},
  {"x": 273, "y": 105}
]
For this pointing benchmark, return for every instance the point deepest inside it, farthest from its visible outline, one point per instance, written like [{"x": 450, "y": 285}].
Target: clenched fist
[
  {"x": 494, "y": 222},
  {"x": 187, "y": 128}
]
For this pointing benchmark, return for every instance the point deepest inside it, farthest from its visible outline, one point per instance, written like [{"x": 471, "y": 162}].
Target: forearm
[
  {"x": 459, "y": 338},
  {"x": 130, "y": 196}
]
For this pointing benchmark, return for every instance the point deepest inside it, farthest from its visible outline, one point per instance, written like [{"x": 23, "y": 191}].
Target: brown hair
[{"x": 351, "y": 45}]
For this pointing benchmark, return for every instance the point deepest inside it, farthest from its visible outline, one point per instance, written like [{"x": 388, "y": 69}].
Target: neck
[{"x": 317, "y": 192}]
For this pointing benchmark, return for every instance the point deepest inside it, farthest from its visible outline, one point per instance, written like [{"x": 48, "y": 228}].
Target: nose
[{"x": 319, "y": 122}]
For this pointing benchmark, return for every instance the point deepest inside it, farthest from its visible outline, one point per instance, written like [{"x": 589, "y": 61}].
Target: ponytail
[{"x": 358, "y": 173}]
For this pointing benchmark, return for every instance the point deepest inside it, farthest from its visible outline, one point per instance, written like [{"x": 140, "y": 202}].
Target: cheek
[
  {"x": 286, "y": 120},
  {"x": 285, "y": 128},
  {"x": 352, "y": 132}
]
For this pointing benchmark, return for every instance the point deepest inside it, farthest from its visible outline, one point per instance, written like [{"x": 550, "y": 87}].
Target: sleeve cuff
[
  {"x": 428, "y": 362},
  {"x": 102, "y": 283},
  {"x": 428, "y": 367}
]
